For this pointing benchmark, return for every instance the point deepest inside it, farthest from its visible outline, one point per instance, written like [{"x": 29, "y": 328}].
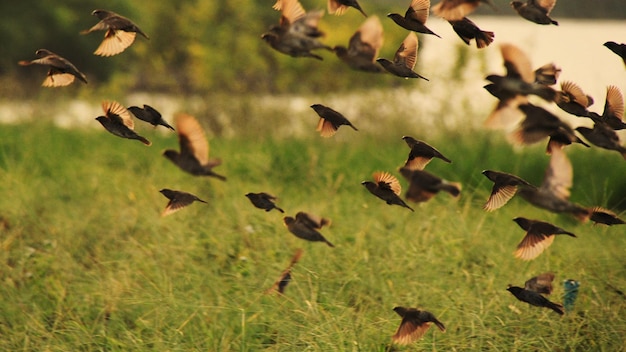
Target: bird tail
[
  {"x": 218, "y": 176},
  {"x": 279, "y": 209},
  {"x": 483, "y": 39},
  {"x": 24, "y": 63},
  {"x": 556, "y": 307},
  {"x": 454, "y": 188},
  {"x": 328, "y": 243},
  {"x": 144, "y": 141},
  {"x": 440, "y": 325}
]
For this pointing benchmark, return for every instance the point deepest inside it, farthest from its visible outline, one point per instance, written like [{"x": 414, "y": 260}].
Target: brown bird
[
  {"x": 535, "y": 299},
  {"x": 118, "y": 121},
  {"x": 504, "y": 188},
  {"x": 424, "y": 185},
  {"x": 415, "y": 17},
  {"x": 421, "y": 154},
  {"x": 540, "y": 124},
  {"x": 468, "y": 30},
  {"x": 547, "y": 74},
  {"x": 363, "y": 47},
  {"x": 619, "y": 49},
  {"x": 613, "y": 109},
  {"x": 297, "y": 33},
  {"x": 404, "y": 60},
  {"x": 537, "y": 11},
  {"x": 301, "y": 228},
  {"x": 120, "y": 32},
  {"x": 339, "y": 7},
  {"x": 285, "y": 277},
  {"x": 539, "y": 236},
  {"x": 263, "y": 201},
  {"x": 312, "y": 220},
  {"x": 456, "y": 10},
  {"x": 541, "y": 283},
  {"x": 194, "y": 149},
  {"x": 414, "y": 325},
  {"x": 149, "y": 115},
  {"x": 603, "y": 216},
  {"x": 330, "y": 120},
  {"x": 573, "y": 100},
  {"x": 61, "y": 72},
  {"x": 603, "y": 136},
  {"x": 177, "y": 200},
  {"x": 386, "y": 187}
]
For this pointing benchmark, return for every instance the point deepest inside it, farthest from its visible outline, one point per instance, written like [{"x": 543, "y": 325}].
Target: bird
[
  {"x": 424, "y": 185},
  {"x": 539, "y": 236},
  {"x": 177, "y": 200},
  {"x": 421, "y": 154},
  {"x": 264, "y": 201},
  {"x": 415, "y": 323},
  {"x": 415, "y": 17},
  {"x": 456, "y": 10},
  {"x": 330, "y": 120},
  {"x": 619, "y": 49},
  {"x": 468, "y": 30},
  {"x": 537, "y": 11},
  {"x": 301, "y": 228},
  {"x": 296, "y": 34},
  {"x": 61, "y": 72},
  {"x": 386, "y": 187},
  {"x": 312, "y": 220},
  {"x": 613, "y": 109},
  {"x": 118, "y": 121},
  {"x": 404, "y": 60},
  {"x": 541, "y": 283},
  {"x": 603, "y": 216},
  {"x": 535, "y": 299},
  {"x": 339, "y": 7},
  {"x": 120, "y": 32},
  {"x": 285, "y": 277},
  {"x": 547, "y": 74},
  {"x": 149, "y": 115},
  {"x": 504, "y": 188},
  {"x": 603, "y": 136},
  {"x": 573, "y": 100},
  {"x": 363, "y": 47},
  {"x": 193, "y": 156}
]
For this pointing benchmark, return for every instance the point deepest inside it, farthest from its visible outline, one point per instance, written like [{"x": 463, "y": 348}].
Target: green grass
[{"x": 87, "y": 263}]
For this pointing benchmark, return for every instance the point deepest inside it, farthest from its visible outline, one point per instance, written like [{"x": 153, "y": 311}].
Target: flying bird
[
  {"x": 573, "y": 100},
  {"x": 456, "y": 10},
  {"x": 421, "y": 154},
  {"x": 312, "y": 220},
  {"x": 468, "y": 30},
  {"x": 363, "y": 47},
  {"x": 285, "y": 277},
  {"x": 539, "y": 236},
  {"x": 537, "y": 11},
  {"x": 535, "y": 299},
  {"x": 339, "y": 7},
  {"x": 619, "y": 49},
  {"x": 547, "y": 74},
  {"x": 613, "y": 111},
  {"x": 264, "y": 201},
  {"x": 118, "y": 121},
  {"x": 504, "y": 188},
  {"x": 415, "y": 17},
  {"x": 404, "y": 60},
  {"x": 541, "y": 283},
  {"x": 330, "y": 120},
  {"x": 177, "y": 200},
  {"x": 120, "y": 32},
  {"x": 193, "y": 156},
  {"x": 603, "y": 136},
  {"x": 301, "y": 228},
  {"x": 603, "y": 216},
  {"x": 149, "y": 115},
  {"x": 415, "y": 323},
  {"x": 424, "y": 185},
  {"x": 61, "y": 72},
  {"x": 386, "y": 187}
]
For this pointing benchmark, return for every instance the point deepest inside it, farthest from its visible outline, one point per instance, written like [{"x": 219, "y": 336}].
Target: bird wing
[
  {"x": 387, "y": 179},
  {"x": 291, "y": 11},
  {"x": 113, "y": 109},
  {"x": 418, "y": 11},
  {"x": 409, "y": 331},
  {"x": 115, "y": 41},
  {"x": 500, "y": 195},
  {"x": 517, "y": 63},
  {"x": 614, "y": 105},
  {"x": 55, "y": 78},
  {"x": 546, "y": 5},
  {"x": 559, "y": 175},
  {"x": 532, "y": 245},
  {"x": 454, "y": 10},
  {"x": 368, "y": 40},
  {"x": 191, "y": 138},
  {"x": 575, "y": 93},
  {"x": 407, "y": 52}
]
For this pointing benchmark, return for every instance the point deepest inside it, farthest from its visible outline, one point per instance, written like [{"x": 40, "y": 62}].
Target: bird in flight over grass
[
  {"x": 541, "y": 283},
  {"x": 149, "y": 115},
  {"x": 118, "y": 121},
  {"x": 177, "y": 200},
  {"x": 386, "y": 187},
  {"x": 330, "y": 120},
  {"x": 415, "y": 17},
  {"x": 285, "y": 277},
  {"x": 421, "y": 154},
  {"x": 363, "y": 47},
  {"x": 301, "y": 227},
  {"x": 61, "y": 72},
  {"x": 613, "y": 112},
  {"x": 415, "y": 323},
  {"x": 539, "y": 236},
  {"x": 120, "y": 32},
  {"x": 537, "y": 11},
  {"x": 468, "y": 30},
  {"x": 534, "y": 298},
  {"x": 573, "y": 100},
  {"x": 423, "y": 185},
  {"x": 339, "y": 7},
  {"x": 404, "y": 60},
  {"x": 263, "y": 201}
]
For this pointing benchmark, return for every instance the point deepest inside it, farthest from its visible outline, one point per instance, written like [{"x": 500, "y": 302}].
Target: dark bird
[
  {"x": 118, "y": 121},
  {"x": 535, "y": 299},
  {"x": 386, "y": 187},
  {"x": 297, "y": 33},
  {"x": 285, "y": 277},
  {"x": 330, "y": 120},
  {"x": 312, "y": 220},
  {"x": 363, "y": 47},
  {"x": 468, "y": 30},
  {"x": 504, "y": 188},
  {"x": 537, "y": 11},
  {"x": 149, "y": 115},
  {"x": 424, "y": 185},
  {"x": 404, "y": 60},
  {"x": 414, "y": 325},
  {"x": 177, "y": 200},
  {"x": 456, "y": 10},
  {"x": 301, "y": 228},
  {"x": 415, "y": 17},
  {"x": 613, "y": 109},
  {"x": 619, "y": 49},
  {"x": 120, "y": 32},
  {"x": 603, "y": 216},
  {"x": 547, "y": 74},
  {"x": 541, "y": 283},
  {"x": 61, "y": 72},
  {"x": 573, "y": 100},
  {"x": 263, "y": 201},
  {"x": 539, "y": 236},
  {"x": 339, "y": 7},
  {"x": 603, "y": 136},
  {"x": 194, "y": 149},
  {"x": 421, "y": 154}
]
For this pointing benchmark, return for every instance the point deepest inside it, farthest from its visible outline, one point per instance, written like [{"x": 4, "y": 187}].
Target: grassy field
[{"x": 87, "y": 263}]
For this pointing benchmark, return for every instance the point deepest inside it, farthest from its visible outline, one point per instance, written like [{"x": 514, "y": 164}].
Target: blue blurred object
[{"x": 570, "y": 295}]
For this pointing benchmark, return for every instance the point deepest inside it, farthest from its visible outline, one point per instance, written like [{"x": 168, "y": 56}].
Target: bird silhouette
[
  {"x": 424, "y": 185},
  {"x": 120, "y": 32},
  {"x": 404, "y": 60},
  {"x": 149, "y": 115},
  {"x": 330, "y": 120},
  {"x": 263, "y": 201},
  {"x": 386, "y": 187},
  {"x": 61, "y": 72},
  {"x": 363, "y": 47},
  {"x": 415, "y": 17},
  {"x": 468, "y": 30},
  {"x": 537, "y": 11},
  {"x": 535, "y": 299},
  {"x": 421, "y": 154},
  {"x": 118, "y": 121},
  {"x": 177, "y": 200},
  {"x": 415, "y": 323},
  {"x": 285, "y": 277},
  {"x": 539, "y": 236},
  {"x": 302, "y": 228}
]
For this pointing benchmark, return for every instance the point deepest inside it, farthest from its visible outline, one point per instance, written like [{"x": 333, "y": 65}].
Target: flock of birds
[{"x": 297, "y": 35}]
